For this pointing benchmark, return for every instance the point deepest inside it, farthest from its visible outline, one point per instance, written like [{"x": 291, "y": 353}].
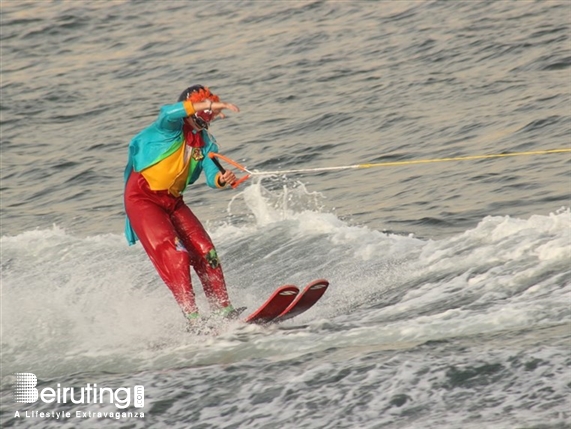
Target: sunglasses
[{"x": 201, "y": 123}]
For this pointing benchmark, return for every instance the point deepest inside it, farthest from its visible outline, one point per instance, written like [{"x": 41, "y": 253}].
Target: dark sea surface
[{"x": 450, "y": 297}]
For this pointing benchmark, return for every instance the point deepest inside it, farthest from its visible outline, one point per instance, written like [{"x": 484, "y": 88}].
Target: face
[
  {"x": 207, "y": 115},
  {"x": 201, "y": 120}
]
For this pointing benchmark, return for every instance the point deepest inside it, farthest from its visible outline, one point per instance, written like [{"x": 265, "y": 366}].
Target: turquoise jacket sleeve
[
  {"x": 170, "y": 117},
  {"x": 150, "y": 145}
]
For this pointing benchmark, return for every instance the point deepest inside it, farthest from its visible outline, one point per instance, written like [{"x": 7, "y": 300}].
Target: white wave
[{"x": 72, "y": 302}]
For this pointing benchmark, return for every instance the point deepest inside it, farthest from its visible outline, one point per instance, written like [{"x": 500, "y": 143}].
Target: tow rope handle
[{"x": 214, "y": 157}]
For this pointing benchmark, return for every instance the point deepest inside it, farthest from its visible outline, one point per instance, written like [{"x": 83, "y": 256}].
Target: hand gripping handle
[{"x": 214, "y": 157}]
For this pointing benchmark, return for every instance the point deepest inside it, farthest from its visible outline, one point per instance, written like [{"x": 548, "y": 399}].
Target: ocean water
[{"x": 450, "y": 296}]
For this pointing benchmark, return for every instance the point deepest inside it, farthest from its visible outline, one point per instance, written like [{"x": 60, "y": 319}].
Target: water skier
[{"x": 164, "y": 159}]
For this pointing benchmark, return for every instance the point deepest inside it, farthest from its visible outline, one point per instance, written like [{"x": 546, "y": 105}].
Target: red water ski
[
  {"x": 274, "y": 306},
  {"x": 304, "y": 301}
]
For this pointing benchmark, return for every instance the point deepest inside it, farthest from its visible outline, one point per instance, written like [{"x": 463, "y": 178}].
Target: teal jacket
[{"x": 158, "y": 141}]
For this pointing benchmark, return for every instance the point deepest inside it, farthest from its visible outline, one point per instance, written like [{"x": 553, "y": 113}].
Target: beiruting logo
[{"x": 26, "y": 392}]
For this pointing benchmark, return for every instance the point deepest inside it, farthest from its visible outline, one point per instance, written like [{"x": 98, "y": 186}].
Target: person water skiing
[{"x": 163, "y": 160}]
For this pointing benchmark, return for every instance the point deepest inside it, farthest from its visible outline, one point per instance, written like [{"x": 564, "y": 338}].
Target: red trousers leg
[
  {"x": 204, "y": 258},
  {"x": 174, "y": 239}
]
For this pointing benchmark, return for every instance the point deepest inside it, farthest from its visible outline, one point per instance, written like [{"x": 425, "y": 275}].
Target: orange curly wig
[{"x": 203, "y": 94}]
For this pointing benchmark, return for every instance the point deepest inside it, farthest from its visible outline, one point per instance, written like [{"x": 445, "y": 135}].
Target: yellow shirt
[{"x": 162, "y": 175}]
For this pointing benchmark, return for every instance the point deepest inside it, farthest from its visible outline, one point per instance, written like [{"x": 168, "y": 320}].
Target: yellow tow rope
[{"x": 410, "y": 162}]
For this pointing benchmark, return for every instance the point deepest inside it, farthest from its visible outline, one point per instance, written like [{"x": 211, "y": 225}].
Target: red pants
[{"x": 175, "y": 239}]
